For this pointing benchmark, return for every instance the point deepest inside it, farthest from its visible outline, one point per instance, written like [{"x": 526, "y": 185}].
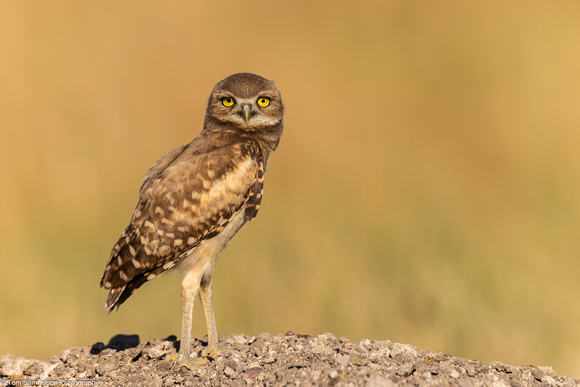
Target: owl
[{"x": 197, "y": 197}]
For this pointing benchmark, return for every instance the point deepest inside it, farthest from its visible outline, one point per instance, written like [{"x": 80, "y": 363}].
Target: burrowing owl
[{"x": 195, "y": 199}]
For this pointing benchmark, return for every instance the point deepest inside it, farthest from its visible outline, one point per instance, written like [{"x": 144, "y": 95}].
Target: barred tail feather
[
  {"x": 117, "y": 296},
  {"x": 113, "y": 298}
]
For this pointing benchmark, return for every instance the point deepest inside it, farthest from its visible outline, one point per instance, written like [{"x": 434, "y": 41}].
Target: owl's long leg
[
  {"x": 189, "y": 291},
  {"x": 206, "y": 296}
]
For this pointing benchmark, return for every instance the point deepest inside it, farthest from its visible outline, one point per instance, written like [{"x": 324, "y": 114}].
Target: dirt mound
[{"x": 269, "y": 360}]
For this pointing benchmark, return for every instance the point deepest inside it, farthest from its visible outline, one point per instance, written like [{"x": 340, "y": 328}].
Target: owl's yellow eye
[
  {"x": 228, "y": 101},
  {"x": 263, "y": 101}
]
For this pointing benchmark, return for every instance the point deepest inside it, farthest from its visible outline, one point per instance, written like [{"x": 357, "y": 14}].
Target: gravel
[{"x": 269, "y": 360}]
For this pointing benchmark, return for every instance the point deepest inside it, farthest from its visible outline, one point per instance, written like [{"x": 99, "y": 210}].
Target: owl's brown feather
[
  {"x": 195, "y": 199},
  {"x": 191, "y": 194}
]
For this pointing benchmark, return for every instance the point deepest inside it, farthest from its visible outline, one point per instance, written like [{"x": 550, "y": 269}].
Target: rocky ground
[{"x": 269, "y": 360}]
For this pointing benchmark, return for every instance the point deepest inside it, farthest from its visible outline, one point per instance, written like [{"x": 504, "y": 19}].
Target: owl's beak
[{"x": 246, "y": 113}]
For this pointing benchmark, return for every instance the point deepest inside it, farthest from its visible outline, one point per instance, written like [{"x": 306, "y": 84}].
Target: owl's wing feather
[
  {"x": 160, "y": 166},
  {"x": 191, "y": 194},
  {"x": 255, "y": 194}
]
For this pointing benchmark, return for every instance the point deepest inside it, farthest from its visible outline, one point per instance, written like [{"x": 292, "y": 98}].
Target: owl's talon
[
  {"x": 172, "y": 357},
  {"x": 188, "y": 362},
  {"x": 214, "y": 352}
]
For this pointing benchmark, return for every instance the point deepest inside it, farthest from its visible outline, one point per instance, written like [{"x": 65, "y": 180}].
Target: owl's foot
[
  {"x": 192, "y": 363},
  {"x": 215, "y": 351}
]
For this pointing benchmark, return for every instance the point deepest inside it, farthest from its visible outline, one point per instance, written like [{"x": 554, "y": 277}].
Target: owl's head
[{"x": 246, "y": 100}]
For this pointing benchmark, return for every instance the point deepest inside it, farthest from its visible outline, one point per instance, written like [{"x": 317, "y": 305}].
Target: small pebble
[
  {"x": 230, "y": 372},
  {"x": 342, "y": 360}
]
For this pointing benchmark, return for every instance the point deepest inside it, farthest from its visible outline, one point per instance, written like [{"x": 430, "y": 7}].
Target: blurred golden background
[{"x": 426, "y": 189}]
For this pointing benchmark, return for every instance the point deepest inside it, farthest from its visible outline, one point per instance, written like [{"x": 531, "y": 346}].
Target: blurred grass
[{"x": 426, "y": 189}]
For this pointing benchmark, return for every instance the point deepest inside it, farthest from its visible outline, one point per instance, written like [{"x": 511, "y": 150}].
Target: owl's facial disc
[{"x": 247, "y": 112}]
